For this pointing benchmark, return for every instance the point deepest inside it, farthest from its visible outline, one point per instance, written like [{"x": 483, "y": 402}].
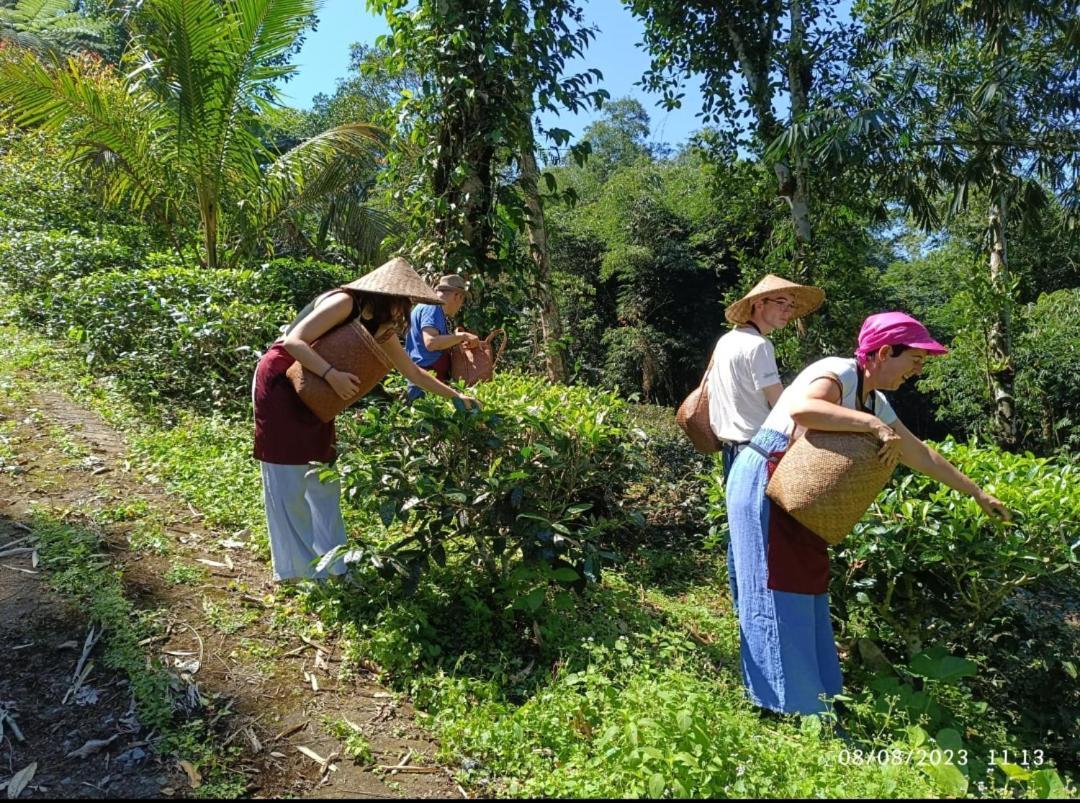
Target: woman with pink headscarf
[{"x": 781, "y": 568}]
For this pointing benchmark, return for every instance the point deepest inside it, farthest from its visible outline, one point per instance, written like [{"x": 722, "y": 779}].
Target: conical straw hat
[
  {"x": 807, "y": 299},
  {"x": 396, "y": 278}
]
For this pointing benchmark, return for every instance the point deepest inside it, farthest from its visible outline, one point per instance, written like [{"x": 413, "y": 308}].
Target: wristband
[{"x": 329, "y": 368}]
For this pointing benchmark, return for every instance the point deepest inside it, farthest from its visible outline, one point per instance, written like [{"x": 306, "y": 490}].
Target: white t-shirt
[
  {"x": 743, "y": 364},
  {"x": 846, "y": 372}
]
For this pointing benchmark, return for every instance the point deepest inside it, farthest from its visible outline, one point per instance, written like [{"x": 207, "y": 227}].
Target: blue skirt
[{"x": 789, "y": 659}]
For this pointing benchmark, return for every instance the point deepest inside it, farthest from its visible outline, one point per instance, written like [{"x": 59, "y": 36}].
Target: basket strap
[{"x": 502, "y": 345}]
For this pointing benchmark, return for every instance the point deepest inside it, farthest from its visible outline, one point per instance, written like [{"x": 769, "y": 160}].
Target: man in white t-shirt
[{"x": 744, "y": 381}]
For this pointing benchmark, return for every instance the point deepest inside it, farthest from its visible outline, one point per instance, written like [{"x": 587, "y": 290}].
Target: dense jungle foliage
[{"x": 546, "y": 576}]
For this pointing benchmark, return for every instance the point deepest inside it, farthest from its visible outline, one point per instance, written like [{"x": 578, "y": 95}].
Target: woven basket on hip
[
  {"x": 349, "y": 348},
  {"x": 693, "y": 417},
  {"x": 827, "y": 481}
]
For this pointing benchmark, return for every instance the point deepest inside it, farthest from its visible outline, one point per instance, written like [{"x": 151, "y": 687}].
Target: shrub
[
  {"x": 1048, "y": 372},
  {"x": 925, "y": 564},
  {"x": 36, "y": 265},
  {"x": 297, "y": 281},
  {"x": 172, "y": 334},
  {"x": 527, "y": 487},
  {"x": 165, "y": 332}
]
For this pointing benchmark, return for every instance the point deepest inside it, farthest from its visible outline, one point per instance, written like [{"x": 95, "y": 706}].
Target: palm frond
[
  {"x": 362, "y": 228},
  {"x": 258, "y": 32},
  {"x": 102, "y": 116},
  {"x": 318, "y": 166},
  {"x": 51, "y": 26}
]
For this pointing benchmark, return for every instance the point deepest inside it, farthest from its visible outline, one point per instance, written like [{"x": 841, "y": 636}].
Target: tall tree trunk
[
  {"x": 797, "y": 192},
  {"x": 550, "y": 322},
  {"x": 791, "y": 179},
  {"x": 208, "y": 212},
  {"x": 1001, "y": 372}
]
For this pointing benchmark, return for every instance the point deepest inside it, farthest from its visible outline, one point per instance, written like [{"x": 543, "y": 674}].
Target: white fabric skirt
[{"x": 303, "y": 517}]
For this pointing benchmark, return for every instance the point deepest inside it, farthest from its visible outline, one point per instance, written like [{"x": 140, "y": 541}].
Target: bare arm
[
  {"x": 916, "y": 455},
  {"x": 772, "y": 393},
  {"x": 328, "y": 313},
  {"x": 400, "y": 359},
  {"x": 433, "y": 341},
  {"x": 821, "y": 409}
]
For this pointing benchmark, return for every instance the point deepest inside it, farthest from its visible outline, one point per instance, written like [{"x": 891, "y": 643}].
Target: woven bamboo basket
[
  {"x": 693, "y": 417},
  {"x": 349, "y": 348},
  {"x": 477, "y": 364},
  {"x": 828, "y": 480}
]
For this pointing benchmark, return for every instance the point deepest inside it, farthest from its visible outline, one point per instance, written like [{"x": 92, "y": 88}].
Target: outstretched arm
[
  {"x": 399, "y": 358},
  {"x": 917, "y": 456}
]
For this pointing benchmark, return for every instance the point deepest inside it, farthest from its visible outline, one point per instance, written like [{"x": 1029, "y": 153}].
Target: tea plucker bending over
[
  {"x": 744, "y": 383},
  {"x": 303, "y": 514},
  {"x": 789, "y": 657},
  {"x": 429, "y": 338}
]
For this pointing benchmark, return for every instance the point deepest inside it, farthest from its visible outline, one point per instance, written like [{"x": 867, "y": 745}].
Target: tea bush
[
  {"x": 166, "y": 332},
  {"x": 174, "y": 335},
  {"x": 925, "y": 565},
  {"x": 527, "y": 487},
  {"x": 37, "y": 264}
]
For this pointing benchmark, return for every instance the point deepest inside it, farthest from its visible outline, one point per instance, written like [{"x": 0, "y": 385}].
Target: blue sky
[{"x": 325, "y": 57}]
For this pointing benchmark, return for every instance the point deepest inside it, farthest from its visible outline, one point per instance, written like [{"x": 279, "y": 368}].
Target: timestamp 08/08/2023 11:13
[{"x": 896, "y": 755}]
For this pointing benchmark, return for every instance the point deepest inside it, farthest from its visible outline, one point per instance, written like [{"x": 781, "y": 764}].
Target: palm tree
[
  {"x": 176, "y": 135},
  {"x": 51, "y": 25}
]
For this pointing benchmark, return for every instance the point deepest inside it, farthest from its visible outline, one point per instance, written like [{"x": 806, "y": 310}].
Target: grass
[
  {"x": 73, "y": 555},
  {"x": 227, "y": 618},
  {"x": 183, "y": 574},
  {"x": 354, "y": 745}
]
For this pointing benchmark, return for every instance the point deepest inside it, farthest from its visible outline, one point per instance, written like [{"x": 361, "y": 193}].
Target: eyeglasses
[{"x": 788, "y": 305}]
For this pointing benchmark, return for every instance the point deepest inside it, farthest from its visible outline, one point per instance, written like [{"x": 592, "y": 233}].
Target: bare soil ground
[{"x": 269, "y": 693}]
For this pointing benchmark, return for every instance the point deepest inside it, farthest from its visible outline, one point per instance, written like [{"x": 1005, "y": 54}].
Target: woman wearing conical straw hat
[
  {"x": 789, "y": 659},
  {"x": 303, "y": 514}
]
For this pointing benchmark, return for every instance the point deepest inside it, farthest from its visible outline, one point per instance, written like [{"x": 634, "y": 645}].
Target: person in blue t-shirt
[{"x": 429, "y": 340}]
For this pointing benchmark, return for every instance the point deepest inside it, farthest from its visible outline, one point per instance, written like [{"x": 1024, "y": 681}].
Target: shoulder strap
[
  {"x": 872, "y": 409},
  {"x": 314, "y": 302}
]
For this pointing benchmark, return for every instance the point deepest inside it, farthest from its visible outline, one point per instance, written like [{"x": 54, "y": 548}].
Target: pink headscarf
[{"x": 894, "y": 329}]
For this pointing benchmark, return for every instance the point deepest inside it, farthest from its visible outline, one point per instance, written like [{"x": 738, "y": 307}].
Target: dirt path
[{"x": 269, "y": 690}]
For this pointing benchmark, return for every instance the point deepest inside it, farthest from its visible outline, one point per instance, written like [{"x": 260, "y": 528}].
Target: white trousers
[{"x": 303, "y": 516}]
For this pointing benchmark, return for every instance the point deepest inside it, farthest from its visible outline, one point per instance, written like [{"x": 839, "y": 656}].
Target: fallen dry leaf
[
  {"x": 194, "y": 776},
  {"x": 92, "y": 746},
  {"x": 20, "y": 780},
  {"x": 324, "y": 762}
]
